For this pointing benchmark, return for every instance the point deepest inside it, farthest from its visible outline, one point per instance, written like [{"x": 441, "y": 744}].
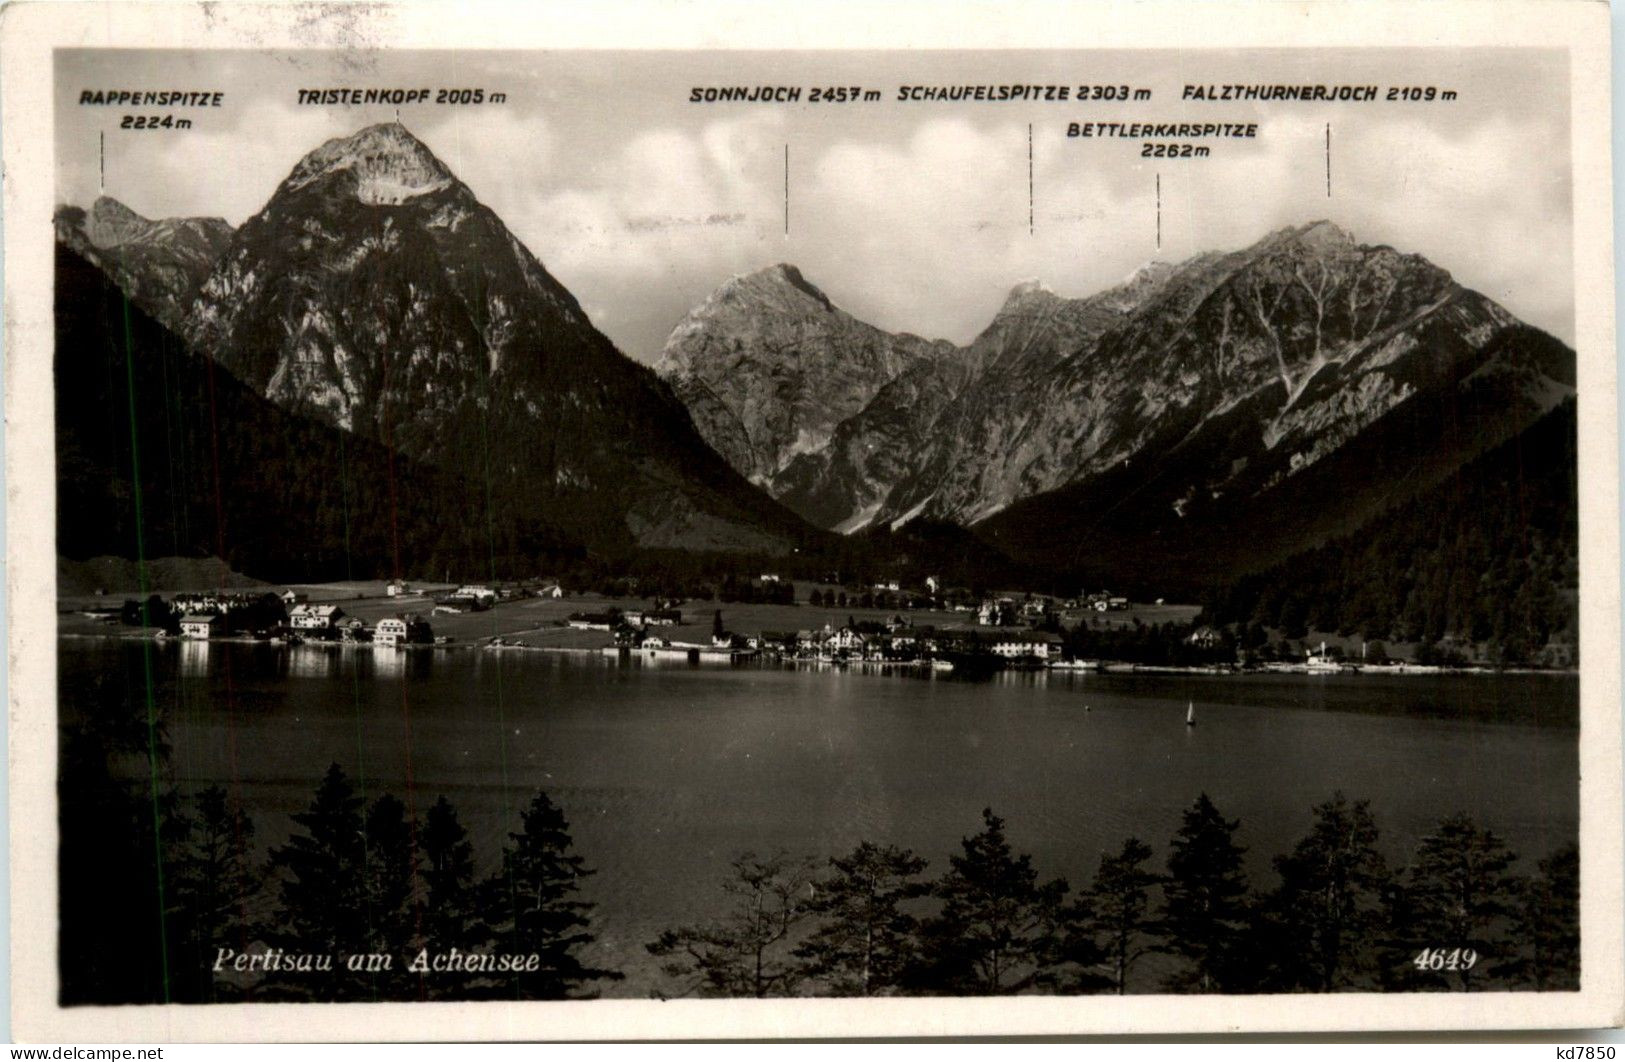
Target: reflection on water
[
  {"x": 667, "y": 770},
  {"x": 194, "y": 656},
  {"x": 313, "y": 661},
  {"x": 388, "y": 663}
]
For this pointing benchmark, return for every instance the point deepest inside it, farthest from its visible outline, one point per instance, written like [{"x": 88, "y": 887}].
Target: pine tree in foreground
[
  {"x": 324, "y": 904},
  {"x": 1204, "y": 911},
  {"x": 451, "y": 900},
  {"x": 999, "y": 930},
  {"x": 392, "y": 900},
  {"x": 1120, "y": 901},
  {"x": 1319, "y": 927},
  {"x": 536, "y": 910},
  {"x": 1458, "y": 898},
  {"x": 1546, "y": 922},
  {"x": 212, "y": 888},
  {"x": 448, "y": 878},
  {"x": 750, "y": 952},
  {"x": 113, "y": 945},
  {"x": 864, "y": 939}
]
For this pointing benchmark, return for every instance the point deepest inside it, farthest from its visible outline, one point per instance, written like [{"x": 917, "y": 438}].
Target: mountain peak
[
  {"x": 772, "y": 282},
  {"x": 1323, "y": 235},
  {"x": 1026, "y": 291},
  {"x": 1152, "y": 272},
  {"x": 111, "y": 222},
  {"x": 784, "y": 271},
  {"x": 388, "y": 164}
]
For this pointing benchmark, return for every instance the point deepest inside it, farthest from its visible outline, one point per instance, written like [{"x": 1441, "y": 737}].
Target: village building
[
  {"x": 775, "y": 641},
  {"x": 996, "y": 613},
  {"x": 553, "y": 590},
  {"x": 902, "y": 645},
  {"x": 594, "y": 621},
  {"x": 217, "y": 602},
  {"x": 201, "y": 624},
  {"x": 845, "y": 640},
  {"x": 397, "y": 588},
  {"x": 652, "y": 617},
  {"x": 468, "y": 599},
  {"x": 1036, "y": 607},
  {"x": 402, "y": 630},
  {"x": 1204, "y": 637},
  {"x": 291, "y": 598},
  {"x": 196, "y": 603},
  {"x": 315, "y": 617},
  {"x": 1034, "y": 645}
]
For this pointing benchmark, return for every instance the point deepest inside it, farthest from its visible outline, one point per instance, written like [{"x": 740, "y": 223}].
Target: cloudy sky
[{"x": 911, "y": 215}]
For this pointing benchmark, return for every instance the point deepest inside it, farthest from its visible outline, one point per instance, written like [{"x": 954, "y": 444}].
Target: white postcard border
[{"x": 29, "y": 32}]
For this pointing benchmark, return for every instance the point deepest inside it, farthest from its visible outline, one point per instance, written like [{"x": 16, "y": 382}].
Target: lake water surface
[{"x": 666, "y": 772}]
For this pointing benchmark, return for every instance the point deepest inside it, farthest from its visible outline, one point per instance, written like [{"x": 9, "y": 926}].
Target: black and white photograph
[{"x": 733, "y": 524}]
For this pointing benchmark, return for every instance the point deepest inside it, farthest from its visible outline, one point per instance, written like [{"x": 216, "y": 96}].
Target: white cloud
[{"x": 649, "y": 231}]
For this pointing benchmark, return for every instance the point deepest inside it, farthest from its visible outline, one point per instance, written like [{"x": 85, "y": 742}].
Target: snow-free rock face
[
  {"x": 376, "y": 293},
  {"x": 1261, "y": 402},
  {"x": 1183, "y": 396},
  {"x": 768, "y": 366},
  {"x": 385, "y": 164},
  {"x": 160, "y": 265}
]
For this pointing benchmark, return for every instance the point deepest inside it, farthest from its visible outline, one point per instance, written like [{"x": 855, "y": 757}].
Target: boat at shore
[{"x": 1076, "y": 665}]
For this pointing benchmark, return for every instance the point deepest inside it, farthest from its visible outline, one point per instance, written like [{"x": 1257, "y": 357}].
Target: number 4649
[{"x": 1440, "y": 959}]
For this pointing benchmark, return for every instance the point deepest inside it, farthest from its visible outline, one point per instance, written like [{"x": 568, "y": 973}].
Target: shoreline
[{"x": 733, "y": 658}]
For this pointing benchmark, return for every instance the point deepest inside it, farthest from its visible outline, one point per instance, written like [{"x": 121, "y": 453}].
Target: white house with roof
[
  {"x": 315, "y": 617},
  {"x": 201, "y": 624},
  {"x": 845, "y": 640},
  {"x": 1036, "y": 645}
]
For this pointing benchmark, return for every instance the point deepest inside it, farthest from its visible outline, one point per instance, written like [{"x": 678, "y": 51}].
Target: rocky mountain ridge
[
  {"x": 159, "y": 264},
  {"x": 768, "y": 366},
  {"x": 375, "y": 293},
  {"x": 1186, "y": 395},
  {"x": 1188, "y": 418}
]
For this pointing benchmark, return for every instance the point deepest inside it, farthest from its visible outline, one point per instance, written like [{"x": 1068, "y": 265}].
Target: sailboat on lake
[{"x": 1190, "y": 713}]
